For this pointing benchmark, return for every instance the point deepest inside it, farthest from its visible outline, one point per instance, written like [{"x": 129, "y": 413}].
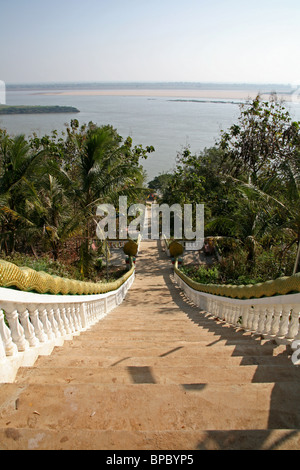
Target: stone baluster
[
  {"x": 72, "y": 315},
  {"x": 70, "y": 319},
  {"x": 276, "y": 320},
  {"x": 262, "y": 317},
  {"x": 17, "y": 331},
  {"x": 229, "y": 313},
  {"x": 64, "y": 317},
  {"x": 37, "y": 324},
  {"x": 93, "y": 312},
  {"x": 244, "y": 313},
  {"x": 43, "y": 314},
  {"x": 101, "y": 307},
  {"x": 87, "y": 313},
  {"x": 269, "y": 319},
  {"x": 83, "y": 315},
  {"x": 76, "y": 308},
  {"x": 203, "y": 304},
  {"x": 59, "y": 321},
  {"x": 293, "y": 329},
  {"x": 5, "y": 336},
  {"x": 256, "y": 312},
  {"x": 28, "y": 328},
  {"x": 284, "y": 321},
  {"x": 250, "y": 318},
  {"x": 198, "y": 303},
  {"x": 219, "y": 306},
  {"x": 53, "y": 322},
  {"x": 2, "y": 351},
  {"x": 210, "y": 306},
  {"x": 237, "y": 316}
]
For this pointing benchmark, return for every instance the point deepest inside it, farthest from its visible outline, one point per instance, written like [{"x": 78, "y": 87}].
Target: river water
[{"x": 167, "y": 123}]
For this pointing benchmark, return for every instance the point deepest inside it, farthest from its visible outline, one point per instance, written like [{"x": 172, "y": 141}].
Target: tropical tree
[
  {"x": 18, "y": 165},
  {"x": 264, "y": 137},
  {"x": 106, "y": 168}
]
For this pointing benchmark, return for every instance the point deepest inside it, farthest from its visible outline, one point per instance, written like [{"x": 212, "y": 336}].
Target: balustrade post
[
  {"x": 276, "y": 320},
  {"x": 245, "y": 314},
  {"x": 64, "y": 317},
  {"x": 2, "y": 350},
  {"x": 53, "y": 322},
  {"x": 43, "y": 314},
  {"x": 17, "y": 331},
  {"x": 255, "y": 318},
  {"x": 250, "y": 318},
  {"x": 227, "y": 313},
  {"x": 268, "y": 323},
  {"x": 37, "y": 324},
  {"x": 72, "y": 316},
  {"x": 234, "y": 315},
  {"x": 59, "y": 321},
  {"x": 70, "y": 319},
  {"x": 5, "y": 335},
  {"x": 293, "y": 329},
  {"x": 83, "y": 315},
  {"x": 261, "y": 320},
  {"x": 77, "y": 316},
  {"x": 28, "y": 328},
  {"x": 284, "y": 321},
  {"x": 237, "y": 315}
]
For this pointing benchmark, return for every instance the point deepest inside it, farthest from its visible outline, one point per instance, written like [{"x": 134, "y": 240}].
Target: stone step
[
  {"x": 105, "y": 329},
  {"x": 121, "y": 374},
  {"x": 169, "y": 359},
  {"x": 149, "y": 407},
  {"x": 87, "y": 439},
  {"x": 150, "y": 338},
  {"x": 156, "y": 348}
]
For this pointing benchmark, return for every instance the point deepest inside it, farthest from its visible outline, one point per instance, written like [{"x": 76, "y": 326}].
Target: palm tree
[
  {"x": 18, "y": 163},
  {"x": 106, "y": 169}
]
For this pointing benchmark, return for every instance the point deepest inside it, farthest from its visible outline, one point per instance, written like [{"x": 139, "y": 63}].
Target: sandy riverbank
[{"x": 188, "y": 94}]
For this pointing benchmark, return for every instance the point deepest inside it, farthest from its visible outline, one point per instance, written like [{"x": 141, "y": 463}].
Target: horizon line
[{"x": 165, "y": 82}]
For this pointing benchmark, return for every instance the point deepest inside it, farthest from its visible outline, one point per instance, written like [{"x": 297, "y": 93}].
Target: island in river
[{"x": 6, "y": 109}]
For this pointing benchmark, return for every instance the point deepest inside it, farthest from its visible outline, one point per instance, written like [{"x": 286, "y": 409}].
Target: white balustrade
[
  {"x": 33, "y": 324},
  {"x": 271, "y": 317}
]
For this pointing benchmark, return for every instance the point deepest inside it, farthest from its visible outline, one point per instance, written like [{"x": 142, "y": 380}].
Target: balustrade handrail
[
  {"x": 280, "y": 286},
  {"x": 27, "y": 279}
]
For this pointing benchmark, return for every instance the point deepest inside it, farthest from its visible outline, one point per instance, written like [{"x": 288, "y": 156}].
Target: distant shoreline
[
  {"x": 170, "y": 93},
  {"x": 27, "y": 109}
]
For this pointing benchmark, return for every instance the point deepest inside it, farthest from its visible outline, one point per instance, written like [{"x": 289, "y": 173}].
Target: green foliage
[
  {"x": 250, "y": 186},
  {"x": 43, "y": 263},
  {"x": 50, "y": 187},
  {"x": 202, "y": 274}
]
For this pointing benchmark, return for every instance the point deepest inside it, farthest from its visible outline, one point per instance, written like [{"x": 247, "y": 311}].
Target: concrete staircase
[{"x": 155, "y": 374}]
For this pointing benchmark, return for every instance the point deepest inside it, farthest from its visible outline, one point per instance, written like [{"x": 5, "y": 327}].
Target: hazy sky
[{"x": 255, "y": 41}]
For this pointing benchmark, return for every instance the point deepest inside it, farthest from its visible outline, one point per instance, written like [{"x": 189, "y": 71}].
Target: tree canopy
[
  {"x": 249, "y": 183},
  {"x": 50, "y": 187}
]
